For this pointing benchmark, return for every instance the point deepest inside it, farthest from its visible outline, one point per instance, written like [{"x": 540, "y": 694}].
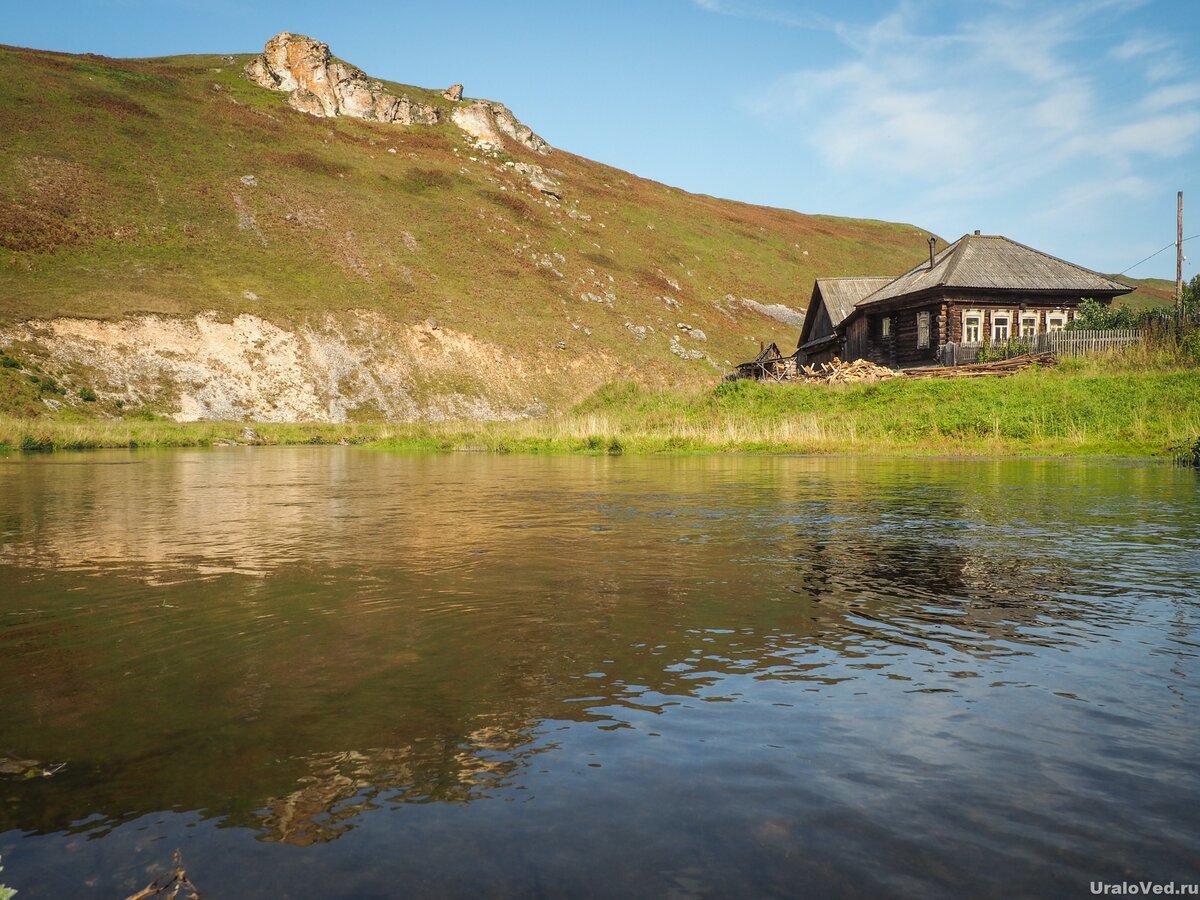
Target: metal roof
[
  {"x": 998, "y": 263},
  {"x": 841, "y": 294}
]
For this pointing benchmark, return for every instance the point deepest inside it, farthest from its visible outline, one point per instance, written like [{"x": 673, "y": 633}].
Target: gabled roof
[
  {"x": 838, "y": 296},
  {"x": 841, "y": 294},
  {"x": 995, "y": 262},
  {"x": 768, "y": 353}
]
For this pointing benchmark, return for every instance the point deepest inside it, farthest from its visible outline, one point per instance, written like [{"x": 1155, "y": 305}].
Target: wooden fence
[
  {"x": 1060, "y": 343},
  {"x": 1081, "y": 343}
]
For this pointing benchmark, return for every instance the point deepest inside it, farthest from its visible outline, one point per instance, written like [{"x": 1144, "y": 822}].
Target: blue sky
[{"x": 1066, "y": 125}]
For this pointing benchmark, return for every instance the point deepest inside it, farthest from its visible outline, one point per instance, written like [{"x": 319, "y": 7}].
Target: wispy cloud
[
  {"x": 1186, "y": 94},
  {"x": 770, "y": 12},
  {"x": 1158, "y": 55},
  {"x": 1006, "y": 98},
  {"x": 1139, "y": 46}
]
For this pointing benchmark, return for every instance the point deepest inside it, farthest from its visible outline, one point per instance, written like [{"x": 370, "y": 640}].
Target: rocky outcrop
[
  {"x": 776, "y": 311},
  {"x": 537, "y": 178},
  {"x": 207, "y": 367},
  {"x": 320, "y": 85},
  {"x": 490, "y": 122},
  {"x": 477, "y": 121}
]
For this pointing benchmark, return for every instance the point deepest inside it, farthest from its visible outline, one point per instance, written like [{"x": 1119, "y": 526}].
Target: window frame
[
  {"x": 1027, "y": 317},
  {"x": 885, "y": 327},
  {"x": 1060, "y": 317},
  {"x": 997, "y": 324},
  {"x": 967, "y": 315},
  {"x": 924, "y": 329}
]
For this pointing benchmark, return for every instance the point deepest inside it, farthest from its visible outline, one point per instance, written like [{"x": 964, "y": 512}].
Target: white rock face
[
  {"x": 204, "y": 368},
  {"x": 538, "y": 178},
  {"x": 490, "y": 122},
  {"x": 477, "y": 121},
  {"x": 319, "y": 85},
  {"x": 776, "y": 311}
]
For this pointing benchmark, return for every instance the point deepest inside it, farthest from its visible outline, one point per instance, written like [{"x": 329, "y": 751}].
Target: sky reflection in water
[{"x": 329, "y": 672}]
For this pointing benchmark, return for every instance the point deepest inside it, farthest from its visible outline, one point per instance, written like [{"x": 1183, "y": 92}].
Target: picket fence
[{"x": 1060, "y": 343}]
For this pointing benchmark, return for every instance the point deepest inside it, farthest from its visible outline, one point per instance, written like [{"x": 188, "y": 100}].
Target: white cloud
[
  {"x": 1088, "y": 194},
  {"x": 766, "y": 11},
  {"x": 1168, "y": 136},
  {"x": 1172, "y": 95},
  {"x": 1012, "y": 99},
  {"x": 1137, "y": 47},
  {"x": 1156, "y": 54}
]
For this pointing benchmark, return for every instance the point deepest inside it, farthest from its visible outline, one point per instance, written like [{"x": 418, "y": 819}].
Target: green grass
[
  {"x": 1080, "y": 409},
  {"x": 1149, "y": 292}
]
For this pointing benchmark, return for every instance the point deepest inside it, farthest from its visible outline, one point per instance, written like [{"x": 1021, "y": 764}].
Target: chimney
[
  {"x": 932, "y": 244},
  {"x": 976, "y": 232}
]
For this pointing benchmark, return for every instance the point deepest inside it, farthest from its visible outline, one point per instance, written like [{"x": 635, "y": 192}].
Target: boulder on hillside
[
  {"x": 537, "y": 178},
  {"x": 320, "y": 85},
  {"x": 489, "y": 122},
  {"x": 454, "y": 92}
]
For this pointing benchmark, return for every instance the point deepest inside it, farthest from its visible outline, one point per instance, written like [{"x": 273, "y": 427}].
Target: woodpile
[
  {"x": 981, "y": 370},
  {"x": 838, "y": 372},
  {"x": 862, "y": 371}
]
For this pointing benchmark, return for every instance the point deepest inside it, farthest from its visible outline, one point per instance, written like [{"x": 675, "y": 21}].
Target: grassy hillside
[
  {"x": 122, "y": 192},
  {"x": 1148, "y": 292}
]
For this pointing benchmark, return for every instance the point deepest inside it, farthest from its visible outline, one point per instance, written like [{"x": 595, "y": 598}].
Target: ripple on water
[{"x": 724, "y": 676}]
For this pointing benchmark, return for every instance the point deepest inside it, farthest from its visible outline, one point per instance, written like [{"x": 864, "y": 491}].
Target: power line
[{"x": 1156, "y": 252}]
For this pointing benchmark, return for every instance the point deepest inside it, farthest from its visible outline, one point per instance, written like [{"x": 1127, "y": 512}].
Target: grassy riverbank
[{"x": 1080, "y": 409}]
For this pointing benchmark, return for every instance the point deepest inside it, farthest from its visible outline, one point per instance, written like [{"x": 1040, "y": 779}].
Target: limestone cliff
[
  {"x": 358, "y": 363},
  {"x": 489, "y": 122},
  {"x": 319, "y": 85}
]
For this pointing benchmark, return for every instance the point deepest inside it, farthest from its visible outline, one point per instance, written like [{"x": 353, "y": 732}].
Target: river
[{"x": 337, "y": 672}]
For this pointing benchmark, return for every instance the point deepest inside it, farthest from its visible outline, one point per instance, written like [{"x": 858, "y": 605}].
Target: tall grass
[{"x": 1085, "y": 407}]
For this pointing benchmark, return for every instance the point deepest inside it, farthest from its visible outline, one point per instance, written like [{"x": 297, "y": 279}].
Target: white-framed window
[
  {"x": 972, "y": 327},
  {"x": 1056, "y": 321},
  {"x": 922, "y": 330},
  {"x": 885, "y": 326},
  {"x": 1029, "y": 323},
  {"x": 1001, "y": 326}
]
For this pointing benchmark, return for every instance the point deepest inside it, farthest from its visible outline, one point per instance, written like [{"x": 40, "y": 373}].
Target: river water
[{"x": 334, "y": 672}]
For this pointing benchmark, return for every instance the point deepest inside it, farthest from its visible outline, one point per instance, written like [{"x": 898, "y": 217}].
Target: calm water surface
[{"x": 342, "y": 673}]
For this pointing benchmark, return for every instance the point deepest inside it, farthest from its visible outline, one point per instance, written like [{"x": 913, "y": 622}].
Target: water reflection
[{"x": 310, "y": 644}]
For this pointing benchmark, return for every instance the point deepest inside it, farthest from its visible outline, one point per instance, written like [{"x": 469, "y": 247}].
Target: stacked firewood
[
  {"x": 838, "y": 372},
  {"x": 980, "y": 370}
]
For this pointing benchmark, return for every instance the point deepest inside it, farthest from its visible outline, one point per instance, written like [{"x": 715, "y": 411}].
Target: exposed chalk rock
[
  {"x": 320, "y": 85},
  {"x": 537, "y": 177},
  {"x": 454, "y": 92},
  {"x": 207, "y": 367},
  {"x": 490, "y": 122}
]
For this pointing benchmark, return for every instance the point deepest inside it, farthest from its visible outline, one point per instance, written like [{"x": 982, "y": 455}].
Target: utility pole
[{"x": 1179, "y": 260}]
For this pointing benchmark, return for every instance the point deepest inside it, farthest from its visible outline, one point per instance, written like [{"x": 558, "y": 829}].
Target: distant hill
[{"x": 1149, "y": 292}]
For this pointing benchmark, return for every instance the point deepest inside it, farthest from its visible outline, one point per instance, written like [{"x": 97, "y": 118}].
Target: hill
[
  {"x": 175, "y": 236},
  {"x": 1147, "y": 292}
]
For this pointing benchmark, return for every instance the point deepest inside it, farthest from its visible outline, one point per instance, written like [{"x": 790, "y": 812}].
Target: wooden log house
[
  {"x": 833, "y": 300},
  {"x": 980, "y": 289}
]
